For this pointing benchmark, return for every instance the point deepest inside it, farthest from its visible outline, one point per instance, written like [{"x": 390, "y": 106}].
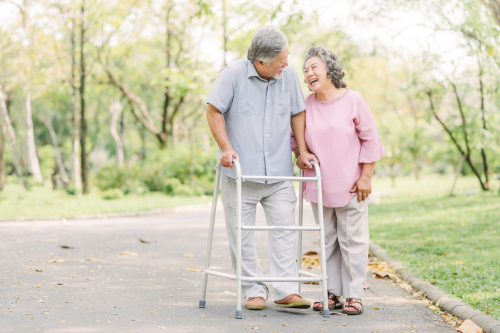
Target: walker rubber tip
[
  {"x": 202, "y": 304},
  {"x": 326, "y": 314},
  {"x": 239, "y": 314}
]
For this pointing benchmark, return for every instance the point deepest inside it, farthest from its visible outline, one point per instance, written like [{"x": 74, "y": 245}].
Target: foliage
[{"x": 112, "y": 194}]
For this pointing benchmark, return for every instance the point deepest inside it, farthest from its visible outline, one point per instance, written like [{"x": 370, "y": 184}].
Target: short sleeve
[
  {"x": 297, "y": 102},
  {"x": 222, "y": 93},
  {"x": 372, "y": 148}
]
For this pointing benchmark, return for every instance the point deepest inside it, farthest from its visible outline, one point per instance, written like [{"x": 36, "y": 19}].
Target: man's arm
[
  {"x": 216, "y": 124},
  {"x": 299, "y": 128}
]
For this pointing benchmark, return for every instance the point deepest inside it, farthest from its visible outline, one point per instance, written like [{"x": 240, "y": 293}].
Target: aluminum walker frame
[{"x": 238, "y": 277}]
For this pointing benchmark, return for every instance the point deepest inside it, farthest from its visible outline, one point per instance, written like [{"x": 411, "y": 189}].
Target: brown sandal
[
  {"x": 350, "y": 303},
  {"x": 335, "y": 304}
]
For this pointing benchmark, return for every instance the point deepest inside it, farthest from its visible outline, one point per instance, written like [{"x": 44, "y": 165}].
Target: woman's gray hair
[
  {"x": 333, "y": 66},
  {"x": 267, "y": 43}
]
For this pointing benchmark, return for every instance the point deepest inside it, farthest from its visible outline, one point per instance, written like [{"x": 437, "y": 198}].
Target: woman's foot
[
  {"x": 334, "y": 302},
  {"x": 353, "y": 306},
  {"x": 293, "y": 301}
]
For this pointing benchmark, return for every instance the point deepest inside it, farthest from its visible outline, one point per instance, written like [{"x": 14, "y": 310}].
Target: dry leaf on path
[
  {"x": 406, "y": 287},
  {"x": 129, "y": 253},
  {"x": 383, "y": 275},
  {"x": 91, "y": 259},
  {"x": 311, "y": 253},
  {"x": 144, "y": 241},
  {"x": 65, "y": 246},
  {"x": 192, "y": 269},
  {"x": 468, "y": 326},
  {"x": 338, "y": 313}
]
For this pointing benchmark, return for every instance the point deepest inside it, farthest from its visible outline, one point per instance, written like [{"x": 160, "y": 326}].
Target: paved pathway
[{"x": 92, "y": 288}]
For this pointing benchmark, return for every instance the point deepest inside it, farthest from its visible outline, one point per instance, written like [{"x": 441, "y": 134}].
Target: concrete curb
[
  {"x": 151, "y": 212},
  {"x": 447, "y": 302}
]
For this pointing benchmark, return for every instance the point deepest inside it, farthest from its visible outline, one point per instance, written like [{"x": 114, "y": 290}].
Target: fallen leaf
[
  {"x": 192, "y": 269},
  {"x": 76, "y": 276},
  {"x": 202, "y": 316},
  {"x": 189, "y": 255},
  {"x": 338, "y": 313},
  {"x": 129, "y": 253},
  {"x": 468, "y": 326},
  {"x": 98, "y": 321},
  {"x": 62, "y": 321},
  {"x": 38, "y": 270},
  {"x": 56, "y": 261},
  {"x": 65, "y": 247},
  {"x": 376, "y": 309},
  {"x": 143, "y": 241},
  {"x": 91, "y": 259},
  {"x": 310, "y": 253},
  {"x": 406, "y": 287},
  {"x": 38, "y": 286},
  {"x": 284, "y": 324},
  {"x": 56, "y": 284},
  {"x": 114, "y": 314},
  {"x": 162, "y": 327}
]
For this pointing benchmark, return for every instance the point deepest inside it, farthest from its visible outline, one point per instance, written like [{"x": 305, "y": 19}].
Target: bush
[
  {"x": 184, "y": 191},
  {"x": 170, "y": 186},
  {"x": 125, "y": 179},
  {"x": 112, "y": 194}
]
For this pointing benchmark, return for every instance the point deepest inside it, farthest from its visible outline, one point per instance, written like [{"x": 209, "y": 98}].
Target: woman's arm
[{"x": 364, "y": 183}]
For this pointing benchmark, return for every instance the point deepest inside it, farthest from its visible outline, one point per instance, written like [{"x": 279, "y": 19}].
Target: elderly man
[{"x": 250, "y": 109}]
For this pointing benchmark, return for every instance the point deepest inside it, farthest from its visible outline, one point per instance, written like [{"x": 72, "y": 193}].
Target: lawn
[
  {"x": 453, "y": 242},
  {"x": 16, "y": 201}
]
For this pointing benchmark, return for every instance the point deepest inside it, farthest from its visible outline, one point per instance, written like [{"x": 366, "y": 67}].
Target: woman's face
[{"x": 315, "y": 74}]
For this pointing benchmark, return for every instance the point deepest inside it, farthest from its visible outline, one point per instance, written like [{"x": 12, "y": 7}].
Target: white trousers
[
  {"x": 279, "y": 201},
  {"x": 346, "y": 247}
]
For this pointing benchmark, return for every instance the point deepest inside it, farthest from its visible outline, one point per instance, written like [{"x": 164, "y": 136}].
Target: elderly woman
[{"x": 341, "y": 132}]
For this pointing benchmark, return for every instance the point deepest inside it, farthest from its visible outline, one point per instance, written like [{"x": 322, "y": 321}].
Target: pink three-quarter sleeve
[
  {"x": 371, "y": 145},
  {"x": 292, "y": 141}
]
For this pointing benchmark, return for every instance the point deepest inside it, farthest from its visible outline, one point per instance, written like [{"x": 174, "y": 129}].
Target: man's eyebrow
[{"x": 285, "y": 56}]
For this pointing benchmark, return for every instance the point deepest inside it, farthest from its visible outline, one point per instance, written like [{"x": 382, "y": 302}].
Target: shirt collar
[{"x": 253, "y": 72}]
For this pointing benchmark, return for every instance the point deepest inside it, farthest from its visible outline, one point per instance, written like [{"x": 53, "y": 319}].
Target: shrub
[
  {"x": 170, "y": 185},
  {"x": 184, "y": 191},
  {"x": 112, "y": 194},
  {"x": 126, "y": 179}
]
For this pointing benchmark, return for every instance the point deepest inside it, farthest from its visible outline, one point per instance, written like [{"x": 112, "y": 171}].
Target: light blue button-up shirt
[{"x": 257, "y": 116}]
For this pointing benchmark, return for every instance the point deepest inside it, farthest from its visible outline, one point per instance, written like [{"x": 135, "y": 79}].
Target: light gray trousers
[
  {"x": 346, "y": 247},
  {"x": 279, "y": 201}
]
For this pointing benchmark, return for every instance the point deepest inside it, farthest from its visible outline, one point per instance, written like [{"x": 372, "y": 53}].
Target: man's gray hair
[
  {"x": 333, "y": 66},
  {"x": 267, "y": 43}
]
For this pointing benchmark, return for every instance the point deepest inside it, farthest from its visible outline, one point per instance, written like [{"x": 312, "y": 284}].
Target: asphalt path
[{"x": 155, "y": 286}]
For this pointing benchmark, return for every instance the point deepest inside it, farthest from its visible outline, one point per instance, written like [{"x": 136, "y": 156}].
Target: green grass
[
  {"x": 15, "y": 201},
  {"x": 452, "y": 242}
]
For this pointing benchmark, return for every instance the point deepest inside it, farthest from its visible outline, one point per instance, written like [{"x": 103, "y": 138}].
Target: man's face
[{"x": 276, "y": 68}]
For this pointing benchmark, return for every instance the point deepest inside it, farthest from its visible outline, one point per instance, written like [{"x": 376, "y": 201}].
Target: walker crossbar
[{"x": 310, "y": 277}]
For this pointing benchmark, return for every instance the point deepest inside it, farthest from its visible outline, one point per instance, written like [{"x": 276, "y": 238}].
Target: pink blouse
[{"x": 343, "y": 135}]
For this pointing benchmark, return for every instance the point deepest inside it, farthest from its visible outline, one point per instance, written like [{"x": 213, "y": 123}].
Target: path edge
[
  {"x": 447, "y": 302},
  {"x": 151, "y": 212}
]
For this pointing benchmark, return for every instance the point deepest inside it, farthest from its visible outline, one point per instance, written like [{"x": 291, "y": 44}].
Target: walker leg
[
  {"x": 210, "y": 238},
  {"x": 239, "y": 314},
  {"x": 299, "y": 236},
  {"x": 322, "y": 254}
]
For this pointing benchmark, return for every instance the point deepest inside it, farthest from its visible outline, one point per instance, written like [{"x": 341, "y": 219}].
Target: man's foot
[
  {"x": 293, "y": 301},
  {"x": 255, "y": 303}
]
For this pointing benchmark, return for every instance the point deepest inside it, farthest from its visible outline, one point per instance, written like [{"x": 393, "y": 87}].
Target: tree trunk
[
  {"x": 75, "y": 144},
  {"x": 3, "y": 137},
  {"x": 31, "y": 156},
  {"x": 483, "y": 153},
  {"x": 115, "y": 111},
  {"x": 83, "y": 122},
  {"x": 57, "y": 153},
  {"x": 12, "y": 137}
]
